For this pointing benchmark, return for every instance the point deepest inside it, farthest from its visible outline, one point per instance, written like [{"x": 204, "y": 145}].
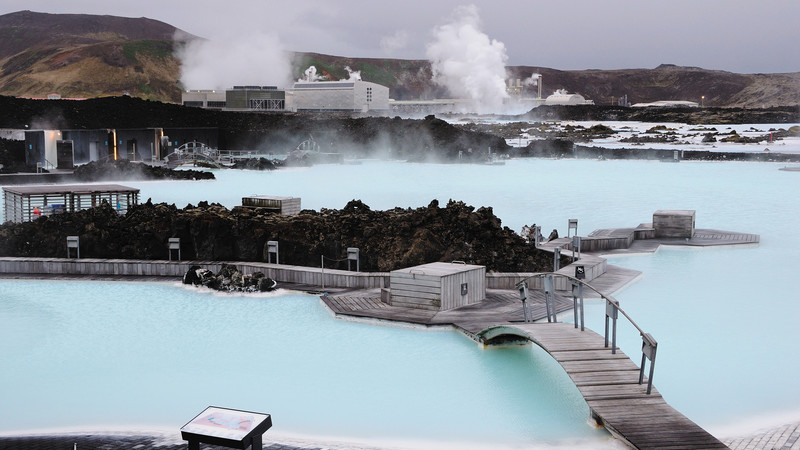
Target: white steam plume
[
  {"x": 468, "y": 63},
  {"x": 241, "y": 60},
  {"x": 352, "y": 75},
  {"x": 310, "y": 75},
  {"x": 532, "y": 80}
]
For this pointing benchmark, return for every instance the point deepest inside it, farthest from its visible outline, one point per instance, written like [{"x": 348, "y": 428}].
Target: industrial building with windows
[
  {"x": 348, "y": 96},
  {"x": 240, "y": 98}
]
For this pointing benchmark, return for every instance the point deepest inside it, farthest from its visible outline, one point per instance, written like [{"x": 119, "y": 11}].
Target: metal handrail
[{"x": 649, "y": 345}]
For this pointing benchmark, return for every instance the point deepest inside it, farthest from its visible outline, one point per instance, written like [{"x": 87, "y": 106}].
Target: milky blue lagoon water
[{"x": 84, "y": 353}]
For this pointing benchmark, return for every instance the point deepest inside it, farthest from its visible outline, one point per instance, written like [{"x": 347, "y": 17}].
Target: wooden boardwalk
[
  {"x": 610, "y": 385},
  {"x": 608, "y": 382}
]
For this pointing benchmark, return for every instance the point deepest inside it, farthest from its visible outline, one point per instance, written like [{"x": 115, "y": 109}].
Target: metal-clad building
[
  {"x": 351, "y": 96},
  {"x": 255, "y": 98},
  {"x": 138, "y": 144},
  {"x": 204, "y": 99},
  {"x": 40, "y": 147},
  {"x": 90, "y": 145}
]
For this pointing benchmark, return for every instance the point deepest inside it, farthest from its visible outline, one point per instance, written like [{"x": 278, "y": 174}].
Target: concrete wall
[{"x": 371, "y": 97}]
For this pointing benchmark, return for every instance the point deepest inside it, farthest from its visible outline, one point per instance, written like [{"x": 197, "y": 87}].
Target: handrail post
[
  {"x": 649, "y": 348},
  {"x": 612, "y": 312},
  {"x": 556, "y": 259},
  {"x": 577, "y": 303},
  {"x": 549, "y": 305},
  {"x": 580, "y": 275},
  {"x": 523, "y": 295}
]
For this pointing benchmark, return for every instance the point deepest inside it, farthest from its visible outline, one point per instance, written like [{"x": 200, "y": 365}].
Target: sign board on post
[
  {"x": 73, "y": 242},
  {"x": 230, "y": 428},
  {"x": 572, "y": 227},
  {"x": 272, "y": 248},
  {"x": 175, "y": 244},
  {"x": 353, "y": 255}
]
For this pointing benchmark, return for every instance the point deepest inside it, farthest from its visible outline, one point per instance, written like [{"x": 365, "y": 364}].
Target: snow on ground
[{"x": 689, "y": 137}]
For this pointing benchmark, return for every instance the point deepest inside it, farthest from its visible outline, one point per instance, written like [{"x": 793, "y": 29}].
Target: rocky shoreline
[{"x": 229, "y": 279}]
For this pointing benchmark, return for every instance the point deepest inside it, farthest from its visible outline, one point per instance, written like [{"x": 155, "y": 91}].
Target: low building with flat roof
[
  {"x": 345, "y": 96},
  {"x": 438, "y": 286},
  {"x": 26, "y": 203},
  {"x": 204, "y": 98},
  {"x": 280, "y": 205}
]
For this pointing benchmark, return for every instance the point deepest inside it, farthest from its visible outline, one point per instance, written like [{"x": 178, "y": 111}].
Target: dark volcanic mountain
[{"x": 78, "y": 55}]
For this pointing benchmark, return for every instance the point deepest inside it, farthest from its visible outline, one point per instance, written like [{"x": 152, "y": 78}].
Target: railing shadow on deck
[{"x": 612, "y": 311}]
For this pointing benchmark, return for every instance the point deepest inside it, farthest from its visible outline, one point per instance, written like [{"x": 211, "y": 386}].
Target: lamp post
[{"x": 702, "y": 101}]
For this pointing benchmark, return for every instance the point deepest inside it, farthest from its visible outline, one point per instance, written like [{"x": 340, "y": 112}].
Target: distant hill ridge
[{"x": 81, "y": 55}]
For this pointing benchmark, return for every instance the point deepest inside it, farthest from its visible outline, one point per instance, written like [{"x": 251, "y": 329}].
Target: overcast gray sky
[{"x": 734, "y": 35}]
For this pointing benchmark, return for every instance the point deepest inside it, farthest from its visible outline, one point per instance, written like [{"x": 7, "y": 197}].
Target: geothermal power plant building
[
  {"x": 322, "y": 96},
  {"x": 352, "y": 96}
]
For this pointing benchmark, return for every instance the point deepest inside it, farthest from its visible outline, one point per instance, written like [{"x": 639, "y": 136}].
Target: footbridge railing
[{"x": 612, "y": 312}]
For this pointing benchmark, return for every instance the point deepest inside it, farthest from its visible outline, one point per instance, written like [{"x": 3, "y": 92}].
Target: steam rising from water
[
  {"x": 252, "y": 59},
  {"x": 468, "y": 63}
]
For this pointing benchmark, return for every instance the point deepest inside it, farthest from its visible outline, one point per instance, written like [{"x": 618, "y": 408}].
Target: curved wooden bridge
[
  {"x": 610, "y": 384},
  {"x": 619, "y": 392}
]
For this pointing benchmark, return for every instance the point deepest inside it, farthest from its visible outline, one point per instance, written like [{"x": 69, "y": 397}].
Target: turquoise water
[
  {"x": 724, "y": 318},
  {"x": 85, "y": 354}
]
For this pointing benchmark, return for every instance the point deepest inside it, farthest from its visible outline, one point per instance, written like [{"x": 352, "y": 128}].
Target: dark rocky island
[
  {"x": 125, "y": 170},
  {"x": 387, "y": 240}
]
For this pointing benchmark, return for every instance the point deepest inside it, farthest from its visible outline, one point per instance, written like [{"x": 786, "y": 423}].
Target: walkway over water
[
  {"x": 609, "y": 382},
  {"x": 619, "y": 393}
]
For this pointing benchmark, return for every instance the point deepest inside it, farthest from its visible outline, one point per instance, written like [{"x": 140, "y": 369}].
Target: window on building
[{"x": 369, "y": 94}]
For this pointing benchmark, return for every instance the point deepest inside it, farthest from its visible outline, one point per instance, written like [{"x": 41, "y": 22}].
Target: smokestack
[{"x": 539, "y": 82}]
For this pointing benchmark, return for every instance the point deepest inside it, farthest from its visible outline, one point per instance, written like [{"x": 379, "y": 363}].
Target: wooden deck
[
  {"x": 500, "y": 306},
  {"x": 610, "y": 385},
  {"x": 608, "y": 382},
  {"x": 612, "y": 241},
  {"x": 702, "y": 238}
]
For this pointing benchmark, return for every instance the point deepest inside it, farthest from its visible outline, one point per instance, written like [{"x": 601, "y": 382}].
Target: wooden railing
[{"x": 612, "y": 311}]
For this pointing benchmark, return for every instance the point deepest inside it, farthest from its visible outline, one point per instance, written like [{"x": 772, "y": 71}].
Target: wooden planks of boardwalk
[{"x": 610, "y": 385}]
